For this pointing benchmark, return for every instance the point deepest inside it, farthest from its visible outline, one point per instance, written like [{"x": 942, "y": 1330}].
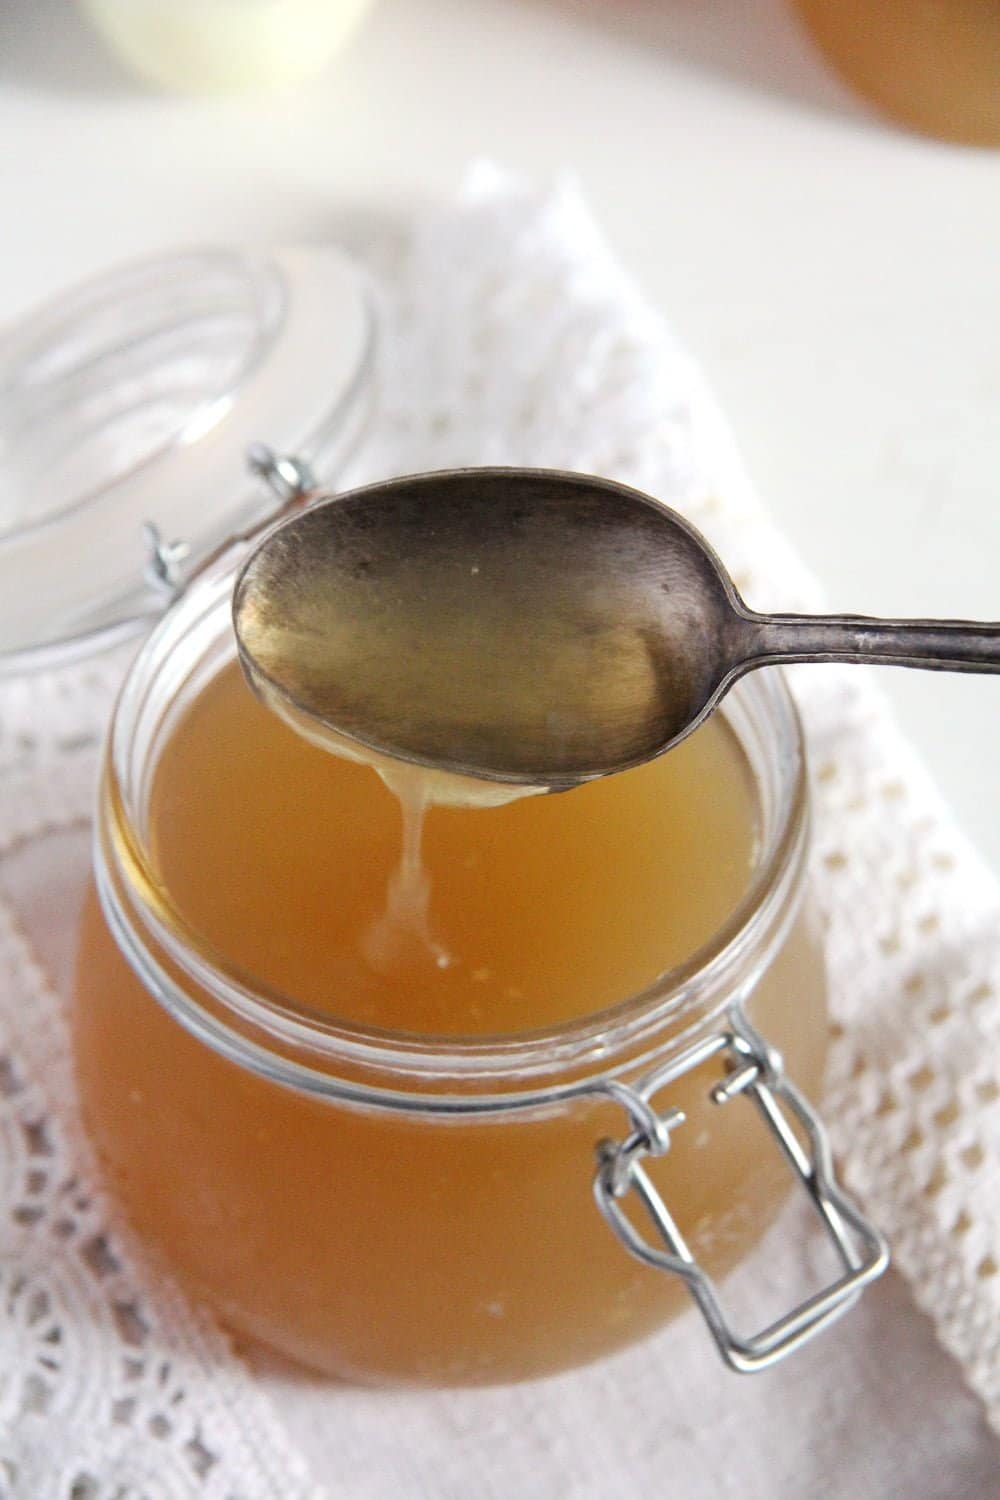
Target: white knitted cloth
[{"x": 509, "y": 337}]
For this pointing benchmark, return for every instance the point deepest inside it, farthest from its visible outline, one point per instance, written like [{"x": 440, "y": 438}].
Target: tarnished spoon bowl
[{"x": 525, "y": 626}]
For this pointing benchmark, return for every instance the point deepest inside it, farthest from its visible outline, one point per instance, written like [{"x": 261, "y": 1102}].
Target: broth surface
[{"x": 287, "y": 860}]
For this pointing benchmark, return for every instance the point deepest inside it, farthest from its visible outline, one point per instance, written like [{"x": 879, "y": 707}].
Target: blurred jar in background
[
  {"x": 225, "y": 46},
  {"x": 933, "y": 64}
]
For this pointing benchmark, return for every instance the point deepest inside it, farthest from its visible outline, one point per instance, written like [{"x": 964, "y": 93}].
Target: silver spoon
[{"x": 526, "y": 626}]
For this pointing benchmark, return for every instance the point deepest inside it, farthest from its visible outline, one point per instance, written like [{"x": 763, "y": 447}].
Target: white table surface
[{"x": 838, "y": 279}]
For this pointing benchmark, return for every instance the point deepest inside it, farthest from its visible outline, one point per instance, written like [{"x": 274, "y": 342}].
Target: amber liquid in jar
[
  {"x": 933, "y": 64},
  {"x": 382, "y": 1247}
]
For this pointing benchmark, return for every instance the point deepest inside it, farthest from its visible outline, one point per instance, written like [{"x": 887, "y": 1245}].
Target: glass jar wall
[
  {"x": 933, "y": 64},
  {"x": 378, "y": 1201}
]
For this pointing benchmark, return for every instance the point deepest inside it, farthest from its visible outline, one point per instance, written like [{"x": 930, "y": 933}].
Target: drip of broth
[
  {"x": 404, "y": 925},
  {"x": 406, "y": 918},
  {"x": 473, "y": 919}
]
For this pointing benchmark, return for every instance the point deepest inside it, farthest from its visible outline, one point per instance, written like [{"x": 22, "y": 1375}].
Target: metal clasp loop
[
  {"x": 757, "y": 1072},
  {"x": 164, "y": 573},
  {"x": 289, "y": 479}
]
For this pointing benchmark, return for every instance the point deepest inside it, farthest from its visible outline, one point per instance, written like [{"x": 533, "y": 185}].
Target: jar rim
[{"x": 270, "y": 1032}]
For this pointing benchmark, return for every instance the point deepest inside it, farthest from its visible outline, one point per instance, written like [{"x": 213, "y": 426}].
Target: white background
[{"x": 838, "y": 278}]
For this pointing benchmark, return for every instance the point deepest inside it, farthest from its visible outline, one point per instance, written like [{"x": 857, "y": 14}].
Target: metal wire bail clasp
[
  {"x": 756, "y": 1071},
  {"x": 289, "y": 479}
]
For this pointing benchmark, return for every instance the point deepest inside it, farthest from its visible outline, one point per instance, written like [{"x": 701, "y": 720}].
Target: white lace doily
[
  {"x": 509, "y": 337},
  {"x": 111, "y": 1388}
]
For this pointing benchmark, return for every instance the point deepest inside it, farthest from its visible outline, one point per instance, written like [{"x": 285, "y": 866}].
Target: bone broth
[
  {"x": 390, "y": 1243},
  {"x": 543, "y": 910}
]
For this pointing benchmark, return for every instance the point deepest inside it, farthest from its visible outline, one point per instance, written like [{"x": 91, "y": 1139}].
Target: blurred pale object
[
  {"x": 225, "y": 46},
  {"x": 933, "y": 64}
]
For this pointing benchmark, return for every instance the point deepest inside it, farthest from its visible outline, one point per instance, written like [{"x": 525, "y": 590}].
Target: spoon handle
[{"x": 940, "y": 645}]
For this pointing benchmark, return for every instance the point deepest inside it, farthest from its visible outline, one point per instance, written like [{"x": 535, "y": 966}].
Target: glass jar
[
  {"x": 933, "y": 64},
  {"x": 386, "y": 1207}
]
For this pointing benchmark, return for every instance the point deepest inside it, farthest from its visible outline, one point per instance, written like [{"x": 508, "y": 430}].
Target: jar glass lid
[{"x": 129, "y": 403}]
